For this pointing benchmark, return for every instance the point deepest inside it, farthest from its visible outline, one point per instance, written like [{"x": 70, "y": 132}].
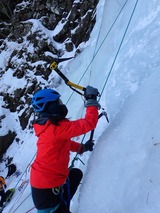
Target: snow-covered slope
[{"x": 122, "y": 60}]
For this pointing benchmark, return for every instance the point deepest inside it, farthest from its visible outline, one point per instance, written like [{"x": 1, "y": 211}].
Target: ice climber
[{"x": 53, "y": 184}]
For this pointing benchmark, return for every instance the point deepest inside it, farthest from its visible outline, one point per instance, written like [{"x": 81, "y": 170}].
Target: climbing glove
[
  {"x": 88, "y": 146},
  {"x": 90, "y": 95}
]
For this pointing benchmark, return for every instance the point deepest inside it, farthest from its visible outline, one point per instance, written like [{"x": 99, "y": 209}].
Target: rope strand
[
  {"x": 100, "y": 46},
  {"x": 110, "y": 71},
  {"x": 119, "y": 48}
]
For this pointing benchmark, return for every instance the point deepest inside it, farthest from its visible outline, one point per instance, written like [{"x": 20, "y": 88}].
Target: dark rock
[
  {"x": 24, "y": 118},
  {"x": 69, "y": 46},
  {"x": 39, "y": 48},
  {"x": 6, "y": 141}
]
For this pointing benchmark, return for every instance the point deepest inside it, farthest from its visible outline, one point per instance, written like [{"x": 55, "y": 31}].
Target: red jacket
[{"x": 50, "y": 167}]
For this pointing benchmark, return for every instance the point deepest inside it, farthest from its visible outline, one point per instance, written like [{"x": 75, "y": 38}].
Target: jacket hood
[{"x": 40, "y": 125}]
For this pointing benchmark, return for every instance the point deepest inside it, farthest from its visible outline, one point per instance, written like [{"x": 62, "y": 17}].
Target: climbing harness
[{"x": 58, "y": 191}]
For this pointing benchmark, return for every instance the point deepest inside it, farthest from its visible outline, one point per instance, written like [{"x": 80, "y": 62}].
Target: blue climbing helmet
[{"x": 43, "y": 97}]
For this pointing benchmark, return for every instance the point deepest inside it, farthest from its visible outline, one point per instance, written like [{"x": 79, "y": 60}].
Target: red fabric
[
  {"x": 50, "y": 167},
  {"x": 2, "y": 182}
]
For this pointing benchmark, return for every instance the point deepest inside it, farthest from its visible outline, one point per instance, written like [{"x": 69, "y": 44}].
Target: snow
[
  {"x": 122, "y": 60},
  {"x": 121, "y": 170}
]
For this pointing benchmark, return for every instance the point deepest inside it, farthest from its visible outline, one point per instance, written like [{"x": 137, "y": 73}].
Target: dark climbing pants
[{"x": 45, "y": 200}]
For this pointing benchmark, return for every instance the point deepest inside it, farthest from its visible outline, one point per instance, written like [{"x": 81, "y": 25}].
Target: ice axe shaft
[
  {"x": 99, "y": 116},
  {"x": 54, "y": 66}
]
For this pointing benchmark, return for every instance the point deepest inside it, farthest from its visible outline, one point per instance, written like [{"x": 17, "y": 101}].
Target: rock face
[
  {"x": 5, "y": 142},
  {"x": 24, "y": 26}
]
